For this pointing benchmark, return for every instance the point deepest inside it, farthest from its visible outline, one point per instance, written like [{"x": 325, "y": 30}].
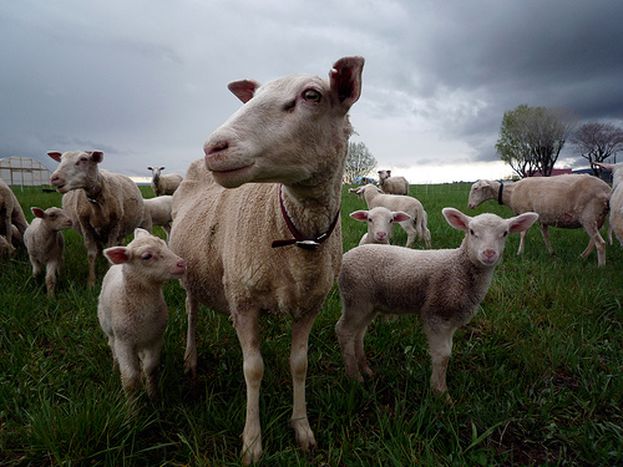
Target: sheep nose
[
  {"x": 181, "y": 264},
  {"x": 489, "y": 253},
  {"x": 55, "y": 179},
  {"x": 381, "y": 235},
  {"x": 211, "y": 148}
]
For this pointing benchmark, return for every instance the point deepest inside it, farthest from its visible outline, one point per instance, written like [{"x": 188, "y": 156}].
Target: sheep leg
[
  {"x": 8, "y": 229},
  {"x": 150, "y": 359},
  {"x": 522, "y": 242},
  {"x": 51, "y": 270},
  {"x": 190, "y": 355},
  {"x": 128, "y": 367},
  {"x": 545, "y": 234},
  {"x": 253, "y": 366},
  {"x": 440, "y": 348},
  {"x": 360, "y": 352},
  {"x": 408, "y": 227},
  {"x": 350, "y": 330},
  {"x": 610, "y": 234},
  {"x": 298, "y": 367},
  {"x": 36, "y": 266},
  {"x": 596, "y": 241}
]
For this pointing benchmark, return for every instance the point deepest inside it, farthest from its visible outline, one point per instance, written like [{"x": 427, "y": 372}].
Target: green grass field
[{"x": 536, "y": 377}]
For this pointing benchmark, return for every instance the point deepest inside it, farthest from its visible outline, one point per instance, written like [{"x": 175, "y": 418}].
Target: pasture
[{"x": 536, "y": 377}]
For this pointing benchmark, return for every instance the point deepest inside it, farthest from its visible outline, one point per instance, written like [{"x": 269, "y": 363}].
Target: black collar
[
  {"x": 500, "y": 190},
  {"x": 299, "y": 239}
]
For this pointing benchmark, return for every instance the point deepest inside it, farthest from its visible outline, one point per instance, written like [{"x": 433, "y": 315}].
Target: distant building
[{"x": 23, "y": 171}]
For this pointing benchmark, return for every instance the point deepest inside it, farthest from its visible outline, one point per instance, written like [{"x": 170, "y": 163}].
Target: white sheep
[
  {"x": 275, "y": 245},
  {"x": 567, "y": 201},
  {"x": 615, "y": 221},
  {"x": 392, "y": 185},
  {"x": 159, "y": 211},
  {"x": 103, "y": 206},
  {"x": 380, "y": 222},
  {"x": 45, "y": 244},
  {"x": 131, "y": 307},
  {"x": 7, "y": 249},
  {"x": 445, "y": 287},
  {"x": 164, "y": 184},
  {"x": 11, "y": 216},
  {"x": 416, "y": 227}
]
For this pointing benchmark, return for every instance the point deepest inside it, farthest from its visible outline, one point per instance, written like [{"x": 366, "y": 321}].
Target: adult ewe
[
  {"x": 164, "y": 184},
  {"x": 275, "y": 245},
  {"x": 11, "y": 214},
  {"x": 104, "y": 207},
  {"x": 615, "y": 221},
  {"x": 567, "y": 201},
  {"x": 392, "y": 185}
]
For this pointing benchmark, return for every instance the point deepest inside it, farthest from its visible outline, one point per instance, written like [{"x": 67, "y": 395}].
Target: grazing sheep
[
  {"x": 11, "y": 214},
  {"x": 292, "y": 137},
  {"x": 416, "y": 227},
  {"x": 159, "y": 211},
  {"x": 131, "y": 307},
  {"x": 45, "y": 244},
  {"x": 393, "y": 185},
  {"x": 6, "y": 248},
  {"x": 444, "y": 287},
  {"x": 103, "y": 206},
  {"x": 567, "y": 201},
  {"x": 380, "y": 223},
  {"x": 164, "y": 184},
  {"x": 615, "y": 223}
]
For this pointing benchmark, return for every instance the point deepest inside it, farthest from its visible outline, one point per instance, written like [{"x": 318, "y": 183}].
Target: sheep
[
  {"x": 8, "y": 249},
  {"x": 158, "y": 210},
  {"x": 291, "y": 136},
  {"x": 615, "y": 223},
  {"x": 392, "y": 185},
  {"x": 45, "y": 244},
  {"x": 566, "y": 201},
  {"x": 416, "y": 227},
  {"x": 11, "y": 214},
  {"x": 445, "y": 287},
  {"x": 131, "y": 309},
  {"x": 164, "y": 184},
  {"x": 103, "y": 206},
  {"x": 380, "y": 223}
]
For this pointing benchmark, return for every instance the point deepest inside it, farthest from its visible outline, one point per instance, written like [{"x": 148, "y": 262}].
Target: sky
[{"x": 146, "y": 81}]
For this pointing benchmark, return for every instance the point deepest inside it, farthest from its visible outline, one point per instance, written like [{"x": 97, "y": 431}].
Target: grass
[{"x": 536, "y": 377}]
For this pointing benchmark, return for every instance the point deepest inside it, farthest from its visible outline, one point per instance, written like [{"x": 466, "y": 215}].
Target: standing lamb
[
  {"x": 159, "y": 211},
  {"x": 103, "y": 206},
  {"x": 445, "y": 287},
  {"x": 393, "y": 185},
  {"x": 164, "y": 184},
  {"x": 380, "y": 223},
  {"x": 275, "y": 245},
  {"x": 615, "y": 221},
  {"x": 45, "y": 244},
  {"x": 131, "y": 307},
  {"x": 11, "y": 214},
  {"x": 567, "y": 201},
  {"x": 416, "y": 227}
]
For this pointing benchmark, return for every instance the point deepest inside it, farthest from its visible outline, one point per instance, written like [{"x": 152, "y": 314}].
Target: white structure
[{"x": 24, "y": 171}]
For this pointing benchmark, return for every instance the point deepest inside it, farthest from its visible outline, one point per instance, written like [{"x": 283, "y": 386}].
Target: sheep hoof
[
  {"x": 303, "y": 434},
  {"x": 252, "y": 453}
]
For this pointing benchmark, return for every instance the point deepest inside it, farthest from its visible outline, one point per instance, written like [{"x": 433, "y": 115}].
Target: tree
[
  {"x": 597, "y": 141},
  {"x": 359, "y": 162},
  {"x": 531, "y": 139}
]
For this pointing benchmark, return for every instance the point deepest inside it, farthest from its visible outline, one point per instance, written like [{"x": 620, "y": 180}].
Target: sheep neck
[
  {"x": 506, "y": 193},
  {"x": 94, "y": 190}
]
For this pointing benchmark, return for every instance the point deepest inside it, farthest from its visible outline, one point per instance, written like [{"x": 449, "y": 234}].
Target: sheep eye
[
  {"x": 505, "y": 234},
  {"x": 52, "y": 216},
  {"x": 146, "y": 256},
  {"x": 471, "y": 232},
  {"x": 391, "y": 220},
  {"x": 312, "y": 95},
  {"x": 290, "y": 105}
]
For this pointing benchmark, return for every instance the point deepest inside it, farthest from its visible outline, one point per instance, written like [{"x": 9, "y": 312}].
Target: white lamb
[
  {"x": 567, "y": 201},
  {"x": 103, "y": 206},
  {"x": 131, "y": 307},
  {"x": 159, "y": 211},
  {"x": 380, "y": 222},
  {"x": 164, "y": 184},
  {"x": 445, "y": 287},
  {"x": 45, "y": 244},
  {"x": 392, "y": 185},
  {"x": 275, "y": 245},
  {"x": 615, "y": 221},
  {"x": 416, "y": 227}
]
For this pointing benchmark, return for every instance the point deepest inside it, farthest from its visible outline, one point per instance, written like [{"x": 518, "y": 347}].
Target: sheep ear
[
  {"x": 359, "y": 215},
  {"x": 243, "y": 89},
  {"x": 456, "y": 218},
  {"x": 96, "y": 156},
  {"x": 55, "y": 155},
  {"x": 138, "y": 232},
  {"x": 150, "y": 168},
  {"x": 117, "y": 254},
  {"x": 37, "y": 212},
  {"x": 522, "y": 222},
  {"x": 400, "y": 216},
  {"x": 345, "y": 80},
  {"x": 161, "y": 168}
]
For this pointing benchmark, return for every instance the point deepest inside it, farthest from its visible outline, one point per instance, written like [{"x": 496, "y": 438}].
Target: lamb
[
  {"x": 45, "y": 244},
  {"x": 615, "y": 223},
  {"x": 103, "y": 206},
  {"x": 380, "y": 223},
  {"x": 274, "y": 245},
  {"x": 164, "y": 184},
  {"x": 445, "y": 287},
  {"x": 131, "y": 309},
  {"x": 393, "y": 185},
  {"x": 566, "y": 201},
  {"x": 11, "y": 214},
  {"x": 158, "y": 210},
  {"x": 416, "y": 227},
  {"x": 8, "y": 249}
]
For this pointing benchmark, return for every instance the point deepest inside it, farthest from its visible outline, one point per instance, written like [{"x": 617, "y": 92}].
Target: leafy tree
[
  {"x": 359, "y": 162},
  {"x": 597, "y": 141},
  {"x": 531, "y": 139}
]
